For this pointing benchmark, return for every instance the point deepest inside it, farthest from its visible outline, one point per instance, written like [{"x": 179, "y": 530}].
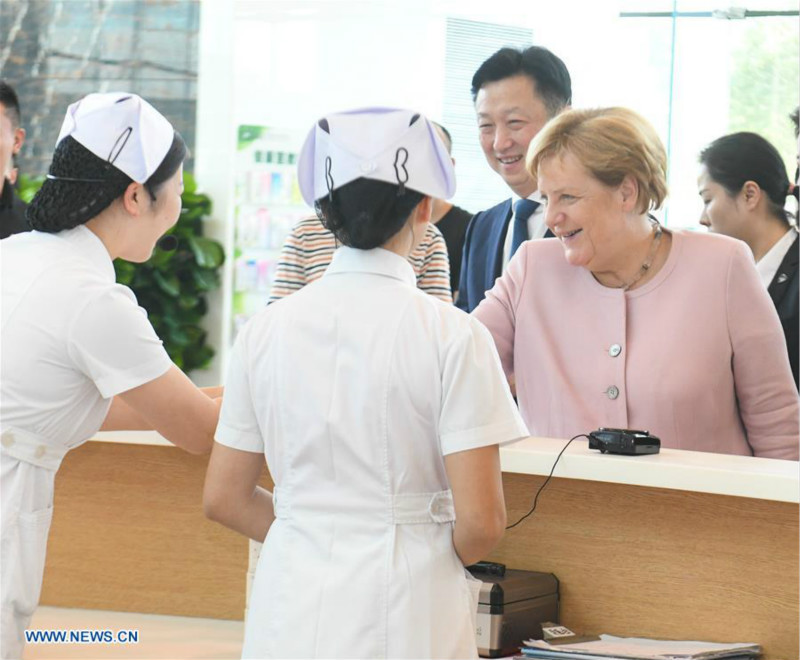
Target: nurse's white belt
[
  {"x": 32, "y": 448},
  {"x": 407, "y": 508}
]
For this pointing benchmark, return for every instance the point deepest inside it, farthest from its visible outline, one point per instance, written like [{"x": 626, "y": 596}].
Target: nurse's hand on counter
[{"x": 172, "y": 405}]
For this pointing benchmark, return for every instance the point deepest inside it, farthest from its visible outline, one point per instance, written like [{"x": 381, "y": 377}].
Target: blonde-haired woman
[{"x": 623, "y": 323}]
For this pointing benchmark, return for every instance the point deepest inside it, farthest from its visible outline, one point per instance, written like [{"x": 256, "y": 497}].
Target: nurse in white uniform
[
  {"x": 79, "y": 354},
  {"x": 379, "y": 410}
]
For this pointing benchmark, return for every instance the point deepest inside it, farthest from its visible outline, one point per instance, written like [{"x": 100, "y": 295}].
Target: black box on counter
[{"x": 512, "y": 606}]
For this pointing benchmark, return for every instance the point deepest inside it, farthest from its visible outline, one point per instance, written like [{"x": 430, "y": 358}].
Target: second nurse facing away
[{"x": 379, "y": 410}]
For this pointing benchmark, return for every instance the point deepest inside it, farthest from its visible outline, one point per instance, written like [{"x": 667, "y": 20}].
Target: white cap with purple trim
[
  {"x": 120, "y": 128},
  {"x": 386, "y": 144}
]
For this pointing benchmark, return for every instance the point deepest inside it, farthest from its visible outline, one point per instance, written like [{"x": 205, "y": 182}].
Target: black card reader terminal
[{"x": 629, "y": 442}]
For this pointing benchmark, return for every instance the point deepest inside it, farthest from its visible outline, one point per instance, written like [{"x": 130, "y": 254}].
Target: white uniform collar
[
  {"x": 377, "y": 261},
  {"x": 85, "y": 242}
]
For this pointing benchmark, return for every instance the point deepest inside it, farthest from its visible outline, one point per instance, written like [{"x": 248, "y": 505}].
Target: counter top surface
[
  {"x": 132, "y": 438},
  {"x": 721, "y": 474}
]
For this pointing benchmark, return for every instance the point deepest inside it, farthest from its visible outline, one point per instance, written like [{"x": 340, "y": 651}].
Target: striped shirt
[{"x": 308, "y": 251}]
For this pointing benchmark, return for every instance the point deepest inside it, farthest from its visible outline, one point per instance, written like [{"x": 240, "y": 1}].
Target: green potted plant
[{"x": 172, "y": 285}]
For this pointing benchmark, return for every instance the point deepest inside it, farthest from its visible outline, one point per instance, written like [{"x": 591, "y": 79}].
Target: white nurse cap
[
  {"x": 386, "y": 144},
  {"x": 120, "y": 128}
]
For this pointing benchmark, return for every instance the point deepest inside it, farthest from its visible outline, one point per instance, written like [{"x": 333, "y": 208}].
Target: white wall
[
  {"x": 291, "y": 71},
  {"x": 215, "y": 146}
]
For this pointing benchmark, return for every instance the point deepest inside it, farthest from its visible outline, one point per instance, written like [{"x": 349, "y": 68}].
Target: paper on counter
[{"x": 634, "y": 648}]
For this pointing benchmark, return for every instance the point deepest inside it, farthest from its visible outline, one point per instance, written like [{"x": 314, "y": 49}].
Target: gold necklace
[{"x": 648, "y": 262}]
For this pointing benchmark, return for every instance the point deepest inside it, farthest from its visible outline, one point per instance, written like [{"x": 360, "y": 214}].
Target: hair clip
[
  {"x": 329, "y": 178},
  {"x": 122, "y": 137},
  {"x": 53, "y": 177},
  {"x": 402, "y": 165}
]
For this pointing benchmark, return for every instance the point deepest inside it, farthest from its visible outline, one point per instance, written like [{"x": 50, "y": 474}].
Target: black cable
[{"x": 536, "y": 497}]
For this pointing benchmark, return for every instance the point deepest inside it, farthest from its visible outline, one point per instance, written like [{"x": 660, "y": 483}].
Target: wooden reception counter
[{"x": 679, "y": 545}]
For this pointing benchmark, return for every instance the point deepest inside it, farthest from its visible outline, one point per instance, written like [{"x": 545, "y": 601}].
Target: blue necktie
[{"x": 523, "y": 209}]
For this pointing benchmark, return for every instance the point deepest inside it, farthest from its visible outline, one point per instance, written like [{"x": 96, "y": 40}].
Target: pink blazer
[{"x": 696, "y": 356}]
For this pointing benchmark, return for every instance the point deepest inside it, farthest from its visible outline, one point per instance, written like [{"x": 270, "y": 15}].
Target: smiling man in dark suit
[{"x": 515, "y": 93}]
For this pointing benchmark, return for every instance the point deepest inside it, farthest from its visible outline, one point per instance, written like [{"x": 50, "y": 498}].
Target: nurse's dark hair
[
  {"x": 64, "y": 203},
  {"x": 547, "y": 71},
  {"x": 734, "y": 159},
  {"x": 172, "y": 161},
  {"x": 365, "y": 213}
]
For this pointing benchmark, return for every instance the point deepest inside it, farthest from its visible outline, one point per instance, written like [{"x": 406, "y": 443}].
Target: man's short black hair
[
  {"x": 546, "y": 70},
  {"x": 8, "y": 97},
  {"x": 795, "y": 117}
]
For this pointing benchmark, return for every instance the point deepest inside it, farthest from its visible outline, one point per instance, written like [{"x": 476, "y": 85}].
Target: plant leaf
[
  {"x": 207, "y": 252},
  {"x": 205, "y": 279},
  {"x": 169, "y": 284},
  {"x": 189, "y": 183}
]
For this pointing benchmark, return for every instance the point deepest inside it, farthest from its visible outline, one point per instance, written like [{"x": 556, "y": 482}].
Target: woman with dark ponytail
[
  {"x": 79, "y": 354},
  {"x": 744, "y": 187},
  {"x": 379, "y": 410}
]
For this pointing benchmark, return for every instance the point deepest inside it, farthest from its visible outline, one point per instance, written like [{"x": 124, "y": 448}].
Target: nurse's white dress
[
  {"x": 72, "y": 338},
  {"x": 355, "y": 388}
]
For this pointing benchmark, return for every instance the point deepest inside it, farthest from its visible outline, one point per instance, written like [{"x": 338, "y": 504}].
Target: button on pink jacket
[{"x": 703, "y": 363}]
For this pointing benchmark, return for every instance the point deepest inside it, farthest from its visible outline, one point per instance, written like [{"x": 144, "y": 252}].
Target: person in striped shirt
[{"x": 309, "y": 248}]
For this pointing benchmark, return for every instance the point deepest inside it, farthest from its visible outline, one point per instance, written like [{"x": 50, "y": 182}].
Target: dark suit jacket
[
  {"x": 784, "y": 293},
  {"x": 12, "y": 212},
  {"x": 482, "y": 258}
]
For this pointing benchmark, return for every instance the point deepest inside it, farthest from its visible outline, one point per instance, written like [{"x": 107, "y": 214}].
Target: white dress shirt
[{"x": 768, "y": 265}]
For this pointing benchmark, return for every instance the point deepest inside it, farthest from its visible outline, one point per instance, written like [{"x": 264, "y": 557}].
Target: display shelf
[{"x": 267, "y": 204}]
